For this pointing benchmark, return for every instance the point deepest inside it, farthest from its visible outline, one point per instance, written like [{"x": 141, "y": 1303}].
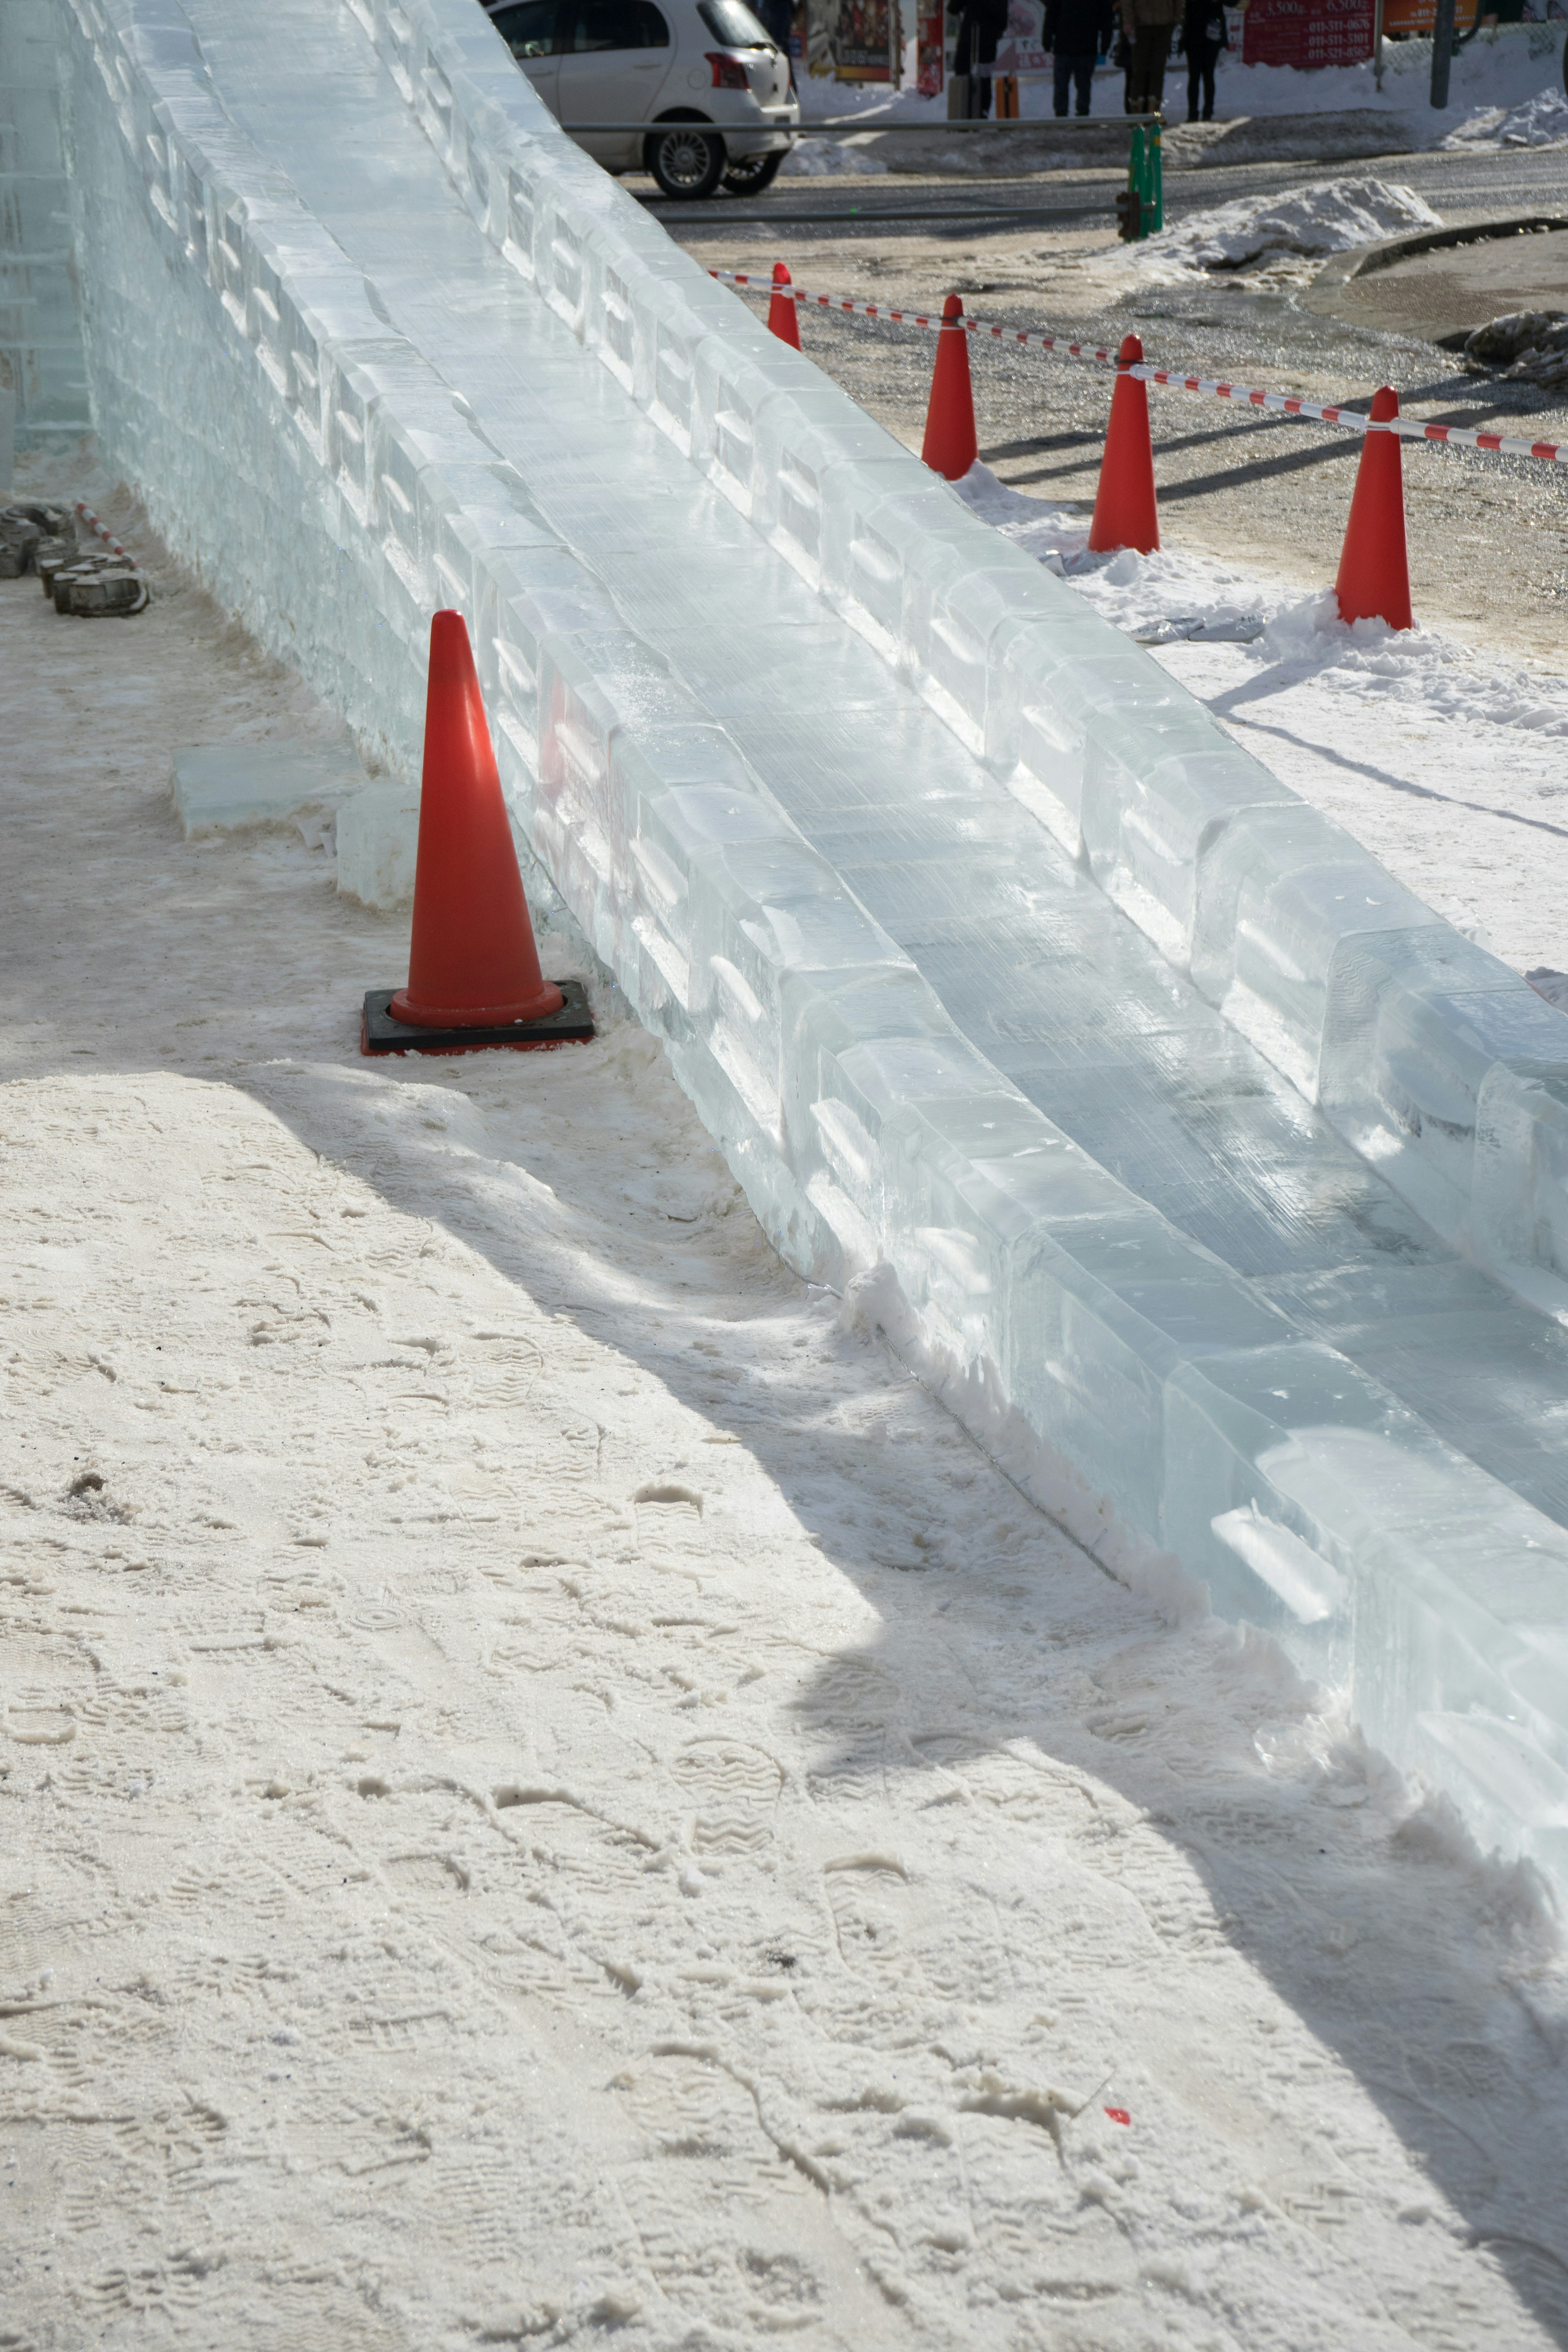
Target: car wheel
[
  {"x": 748, "y": 175},
  {"x": 685, "y": 159}
]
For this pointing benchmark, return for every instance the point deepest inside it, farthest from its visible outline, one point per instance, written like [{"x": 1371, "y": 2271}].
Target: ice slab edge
[
  {"x": 1427, "y": 1054},
  {"x": 334, "y": 489},
  {"x": 40, "y": 334}
]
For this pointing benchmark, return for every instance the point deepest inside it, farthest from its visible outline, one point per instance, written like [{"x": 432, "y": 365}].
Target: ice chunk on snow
[
  {"x": 229, "y": 787},
  {"x": 378, "y": 839}
]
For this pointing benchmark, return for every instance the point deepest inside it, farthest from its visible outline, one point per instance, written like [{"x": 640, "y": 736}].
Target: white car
[{"x": 675, "y": 65}]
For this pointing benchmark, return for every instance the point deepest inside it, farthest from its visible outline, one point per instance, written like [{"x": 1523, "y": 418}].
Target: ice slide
[{"x": 1210, "y": 1164}]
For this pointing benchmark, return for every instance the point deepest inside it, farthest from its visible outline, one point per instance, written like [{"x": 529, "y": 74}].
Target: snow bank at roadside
[
  {"x": 1541, "y": 121},
  {"x": 1491, "y": 76},
  {"x": 1332, "y": 218},
  {"x": 1504, "y": 71},
  {"x": 818, "y": 159}
]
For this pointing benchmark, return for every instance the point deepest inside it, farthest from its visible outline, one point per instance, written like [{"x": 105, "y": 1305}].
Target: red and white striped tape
[
  {"x": 1350, "y": 420},
  {"x": 914, "y": 318},
  {"x": 1408, "y": 428},
  {"x": 104, "y": 533}
]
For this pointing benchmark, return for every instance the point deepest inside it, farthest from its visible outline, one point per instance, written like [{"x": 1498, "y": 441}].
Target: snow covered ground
[{"x": 548, "y": 1790}]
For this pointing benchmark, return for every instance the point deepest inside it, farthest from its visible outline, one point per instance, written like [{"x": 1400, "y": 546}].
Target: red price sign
[{"x": 1303, "y": 33}]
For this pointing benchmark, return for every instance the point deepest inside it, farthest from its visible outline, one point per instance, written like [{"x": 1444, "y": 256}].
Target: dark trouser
[
  {"x": 981, "y": 47},
  {"x": 1200, "y": 69},
  {"x": 1080, "y": 72},
  {"x": 1146, "y": 68}
]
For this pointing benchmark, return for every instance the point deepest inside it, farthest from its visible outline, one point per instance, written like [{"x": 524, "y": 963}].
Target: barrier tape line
[
  {"x": 914, "y": 318},
  {"x": 104, "y": 533},
  {"x": 1407, "y": 428},
  {"x": 1350, "y": 420}
]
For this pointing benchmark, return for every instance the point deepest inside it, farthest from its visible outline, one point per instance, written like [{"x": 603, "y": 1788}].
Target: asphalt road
[
  {"x": 1489, "y": 536},
  {"x": 1523, "y": 179}
]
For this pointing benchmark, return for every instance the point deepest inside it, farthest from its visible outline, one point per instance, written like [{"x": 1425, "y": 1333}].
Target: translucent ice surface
[
  {"x": 1189, "y": 1135},
  {"x": 226, "y": 787},
  {"x": 41, "y": 360}
]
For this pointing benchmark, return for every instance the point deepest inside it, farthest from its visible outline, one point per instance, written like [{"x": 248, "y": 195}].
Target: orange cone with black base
[
  {"x": 784, "y": 315},
  {"x": 1373, "y": 582},
  {"x": 473, "y": 969},
  {"x": 1125, "y": 510},
  {"x": 950, "y": 448}
]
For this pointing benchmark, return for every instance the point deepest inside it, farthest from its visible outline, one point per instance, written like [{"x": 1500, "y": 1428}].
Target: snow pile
[
  {"x": 817, "y": 159},
  {"x": 1541, "y": 121},
  {"x": 1531, "y": 346},
  {"x": 1332, "y": 218},
  {"x": 1527, "y": 346},
  {"x": 1429, "y": 676},
  {"x": 1518, "y": 339}
]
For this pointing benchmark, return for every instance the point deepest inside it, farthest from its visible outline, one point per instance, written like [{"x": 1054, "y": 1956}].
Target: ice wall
[
  {"x": 1428, "y": 1054},
  {"x": 40, "y": 337},
  {"x": 371, "y": 337}
]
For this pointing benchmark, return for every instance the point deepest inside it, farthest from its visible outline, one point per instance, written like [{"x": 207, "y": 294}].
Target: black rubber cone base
[{"x": 380, "y": 1033}]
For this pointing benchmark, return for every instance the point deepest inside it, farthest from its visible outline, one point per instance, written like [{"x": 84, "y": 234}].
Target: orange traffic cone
[
  {"x": 784, "y": 315},
  {"x": 473, "y": 969},
  {"x": 950, "y": 448},
  {"x": 1373, "y": 582},
  {"x": 1125, "y": 510}
]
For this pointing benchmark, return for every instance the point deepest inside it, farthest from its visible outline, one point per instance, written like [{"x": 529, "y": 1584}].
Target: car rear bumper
[{"x": 751, "y": 130}]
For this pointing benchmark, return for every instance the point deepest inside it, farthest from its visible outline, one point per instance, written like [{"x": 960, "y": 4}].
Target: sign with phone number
[{"x": 1307, "y": 32}]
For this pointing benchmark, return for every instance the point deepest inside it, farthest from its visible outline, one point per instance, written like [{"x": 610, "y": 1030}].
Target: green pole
[
  {"x": 1136, "y": 182},
  {"x": 1154, "y": 205}
]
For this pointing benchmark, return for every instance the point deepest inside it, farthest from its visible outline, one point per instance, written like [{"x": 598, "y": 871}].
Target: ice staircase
[{"x": 1194, "y": 1142}]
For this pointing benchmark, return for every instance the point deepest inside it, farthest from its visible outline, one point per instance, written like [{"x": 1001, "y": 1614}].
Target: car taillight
[{"x": 729, "y": 73}]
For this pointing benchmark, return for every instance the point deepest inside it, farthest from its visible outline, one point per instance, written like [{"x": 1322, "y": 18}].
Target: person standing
[
  {"x": 1076, "y": 32},
  {"x": 980, "y": 27},
  {"x": 778, "y": 23},
  {"x": 1148, "y": 26},
  {"x": 1204, "y": 34}
]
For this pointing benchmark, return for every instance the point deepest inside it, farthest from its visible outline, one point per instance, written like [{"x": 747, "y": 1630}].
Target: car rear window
[
  {"x": 732, "y": 22},
  {"x": 617, "y": 24},
  {"x": 529, "y": 28}
]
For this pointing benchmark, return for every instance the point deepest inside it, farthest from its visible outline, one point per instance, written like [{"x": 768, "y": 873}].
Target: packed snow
[
  {"x": 550, "y": 1791},
  {"x": 1333, "y": 218}
]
